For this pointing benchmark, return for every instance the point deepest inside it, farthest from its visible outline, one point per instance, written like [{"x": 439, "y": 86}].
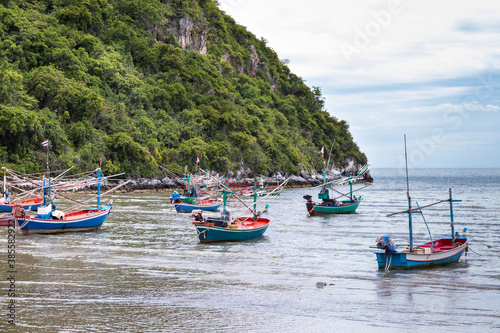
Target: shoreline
[
  {"x": 167, "y": 184},
  {"x": 145, "y": 185}
]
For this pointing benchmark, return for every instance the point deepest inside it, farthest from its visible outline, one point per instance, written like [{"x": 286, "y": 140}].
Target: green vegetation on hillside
[{"x": 143, "y": 83}]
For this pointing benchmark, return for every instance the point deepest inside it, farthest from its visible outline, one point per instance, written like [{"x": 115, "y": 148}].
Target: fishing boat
[
  {"x": 6, "y": 220},
  {"x": 187, "y": 205},
  {"x": 190, "y": 200},
  {"x": 29, "y": 204},
  {"x": 6, "y": 205},
  {"x": 332, "y": 205},
  {"x": 50, "y": 220},
  {"x": 435, "y": 252},
  {"x": 226, "y": 229}
]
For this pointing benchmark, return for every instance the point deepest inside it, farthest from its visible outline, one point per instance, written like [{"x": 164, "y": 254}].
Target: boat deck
[{"x": 441, "y": 245}]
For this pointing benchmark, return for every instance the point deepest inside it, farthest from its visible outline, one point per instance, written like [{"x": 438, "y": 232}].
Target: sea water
[{"x": 145, "y": 270}]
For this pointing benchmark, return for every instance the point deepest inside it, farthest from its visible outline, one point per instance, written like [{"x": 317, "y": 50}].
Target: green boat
[{"x": 329, "y": 205}]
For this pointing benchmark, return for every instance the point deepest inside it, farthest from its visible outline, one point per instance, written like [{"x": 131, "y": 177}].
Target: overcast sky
[{"x": 427, "y": 69}]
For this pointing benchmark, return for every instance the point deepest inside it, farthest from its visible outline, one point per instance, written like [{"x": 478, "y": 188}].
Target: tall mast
[
  {"x": 99, "y": 187},
  {"x": 44, "y": 190},
  {"x": 350, "y": 185},
  {"x": 409, "y": 200},
  {"x": 255, "y": 199},
  {"x": 451, "y": 217},
  {"x": 224, "y": 211},
  {"x": 48, "y": 191},
  {"x": 48, "y": 144}
]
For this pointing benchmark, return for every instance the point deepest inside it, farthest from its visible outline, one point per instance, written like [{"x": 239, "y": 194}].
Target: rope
[
  {"x": 199, "y": 233},
  {"x": 25, "y": 222},
  {"x": 388, "y": 263},
  {"x": 489, "y": 246},
  {"x": 468, "y": 247}
]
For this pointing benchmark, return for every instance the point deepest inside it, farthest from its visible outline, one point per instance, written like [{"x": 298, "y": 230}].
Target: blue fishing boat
[
  {"x": 435, "y": 252},
  {"x": 49, "y": 223},
  {"x": 190, "y": 201},
  {"x": 29, "y": 204},
  {"x": 226, "y": 229},
  {"x": 50, "y": 220},
  {"x": 189, "y": 205}
]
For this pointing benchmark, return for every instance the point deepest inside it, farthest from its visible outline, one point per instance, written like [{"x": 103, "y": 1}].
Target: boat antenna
[{"x": 409, "y": 199}]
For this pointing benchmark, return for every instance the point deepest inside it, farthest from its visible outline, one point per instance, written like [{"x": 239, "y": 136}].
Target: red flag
[{"x": 197, "y": 160}]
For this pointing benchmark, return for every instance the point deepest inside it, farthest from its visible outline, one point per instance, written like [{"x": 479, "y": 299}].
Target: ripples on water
[{"x": 145, "y": 271}]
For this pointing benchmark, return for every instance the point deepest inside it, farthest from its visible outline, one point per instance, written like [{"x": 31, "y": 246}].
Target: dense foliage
[{"x": 113, "y": 80}]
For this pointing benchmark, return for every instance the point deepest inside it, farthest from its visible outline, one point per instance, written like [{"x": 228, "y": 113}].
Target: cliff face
[{"x": 192, "y": 37}]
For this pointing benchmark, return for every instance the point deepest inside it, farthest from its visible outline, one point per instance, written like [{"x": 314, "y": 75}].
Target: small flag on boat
[
  {"x": 45, "y": 143},
  {"x": 323, "y": 151},
  {"x": 197, "y": 160}
]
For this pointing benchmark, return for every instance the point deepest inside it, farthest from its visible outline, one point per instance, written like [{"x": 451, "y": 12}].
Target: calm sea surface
[{"x": 145, "y": 270}]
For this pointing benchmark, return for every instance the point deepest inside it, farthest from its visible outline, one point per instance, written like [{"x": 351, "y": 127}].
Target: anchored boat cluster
[{"x": 34, "y": 211}]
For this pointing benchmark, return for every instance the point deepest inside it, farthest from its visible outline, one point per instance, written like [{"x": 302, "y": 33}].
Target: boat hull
[
  {"x": 30, "y": 204},
  {"x": 81, "y": 221},
  {"x": 315, "y": 209},
  {"x": 7, "y": 220},
  {"x": 208, "y": 233},
  {"x": 402, "y": 260},
  {"x": 188, "y": 208}
]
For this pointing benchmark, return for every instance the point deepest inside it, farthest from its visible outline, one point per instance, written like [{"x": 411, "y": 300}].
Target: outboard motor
[{"x": 308, "y": 198}]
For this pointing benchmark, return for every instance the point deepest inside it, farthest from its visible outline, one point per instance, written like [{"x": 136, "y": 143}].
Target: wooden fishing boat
[
  {"x": 50, "y": 220},
  {"x": 6, "y": 219},
  {"x": 190, "y": 200},
  {"x": 53, "y": 222},
  {"x": 329, "y": 205},
  {"x": 6, "y": 205},
  {"x": 225, "y": 229},
  {"x": 29, "y": 204},
  {"x": 188, "y": 205},
  {"x": 240, "y": 229},
  {"x": 435, "y": 252}
]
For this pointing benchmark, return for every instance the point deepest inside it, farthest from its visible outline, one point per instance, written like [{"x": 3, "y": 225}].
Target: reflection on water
[{"x": 145, "y": 271}]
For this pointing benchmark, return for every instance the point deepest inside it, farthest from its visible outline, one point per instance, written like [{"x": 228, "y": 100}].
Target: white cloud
[{"x": 428, "y": 67}]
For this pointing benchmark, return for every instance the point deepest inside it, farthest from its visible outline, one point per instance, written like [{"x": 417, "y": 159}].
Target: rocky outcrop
[
  {"x": 251, "y": 68},
  {"x": 191, "y": 36},
  {"x": 255, "y": 63}
]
